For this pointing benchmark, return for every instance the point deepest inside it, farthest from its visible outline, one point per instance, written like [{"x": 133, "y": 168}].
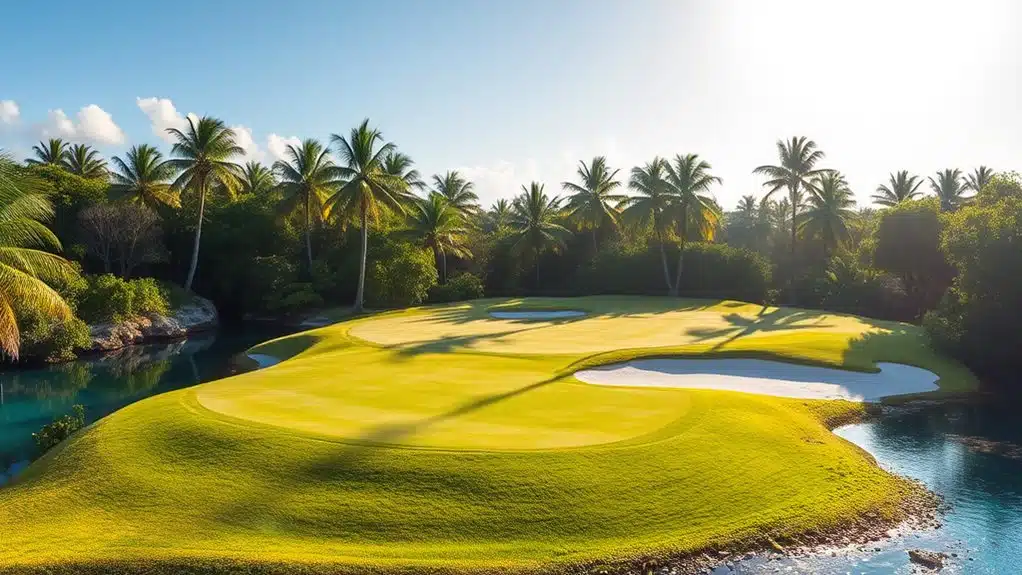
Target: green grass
[{"x": 442, "y": 440}]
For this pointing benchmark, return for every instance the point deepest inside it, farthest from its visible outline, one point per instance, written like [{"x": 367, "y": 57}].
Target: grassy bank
[{"x": 442, "y": 440}]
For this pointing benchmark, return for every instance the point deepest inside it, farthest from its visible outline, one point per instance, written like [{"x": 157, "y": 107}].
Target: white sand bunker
[
  {"x": 537, "y": 314},
  {"x": 765, "y": 377},
  {"x": 264, "y": 360}
]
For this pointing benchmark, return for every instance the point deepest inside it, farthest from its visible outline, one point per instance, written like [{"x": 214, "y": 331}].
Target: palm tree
[
  {"x": 688, "y": 181},
  {"x": 49, "y": 153},
  {"x": 83, "y": 161},
  {"x": 368, "y": 190},
  {"x": 901, "y": 187},
  {"x": 499, "y": 216},
  {"x": 144, "y": 178},
  {"x": 795, "y": 172},
  {"x": 24, "y": 261},
  {"x": 441, "y": 228},
  {"x": 533, "y": 218},
  {"x": 590, "y": 201},
  {"x": 978, "y": 179},
  {"x": 830, "y": 208},
  {"x": 308, "y": 177},
  {"x": 748, "y": 207},
  {"x": 651, "y": 205},
  {"x": 458, "y": 191},
  {"x": 202, "y": 154},
  {"x": 950, "y": 188},
  {"x": 397, "y": 164},
  {"x": 256, "y": 179}
]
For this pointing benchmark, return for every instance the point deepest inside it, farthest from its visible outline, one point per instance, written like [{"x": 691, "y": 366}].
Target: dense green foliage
[
  {"x": 53, "y": 433},
  {"x": 109, "y": 298}
]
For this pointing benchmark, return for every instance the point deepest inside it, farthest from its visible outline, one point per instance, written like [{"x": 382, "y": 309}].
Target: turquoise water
[
  {"x": 31, "y": 398},
  {"x": 971, "y": 454}
]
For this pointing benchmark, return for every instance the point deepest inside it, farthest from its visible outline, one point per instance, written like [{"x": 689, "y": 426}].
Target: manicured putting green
[{"x": 444, "y": 439}]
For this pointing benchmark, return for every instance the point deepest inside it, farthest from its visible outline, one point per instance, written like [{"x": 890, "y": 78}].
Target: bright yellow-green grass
[{"x": 443, "y": 440}]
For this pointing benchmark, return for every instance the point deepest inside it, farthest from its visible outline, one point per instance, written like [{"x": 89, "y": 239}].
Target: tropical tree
[
  {"x": 534, "y": 221},
  {"x": 397, "y": 164},
  {"x": 441, "y": 228},
  {"x": 256, "y": 179},
  {"x": 50, "y": 152},
  {"x": 143, "y": 178},
  {"x": 829, "y": 210},
  {"x": 950, "y": 189},
  {"x": 689, "y": 180},
  {"x": 82, "y": 160},
  {"x": 367, "y": 190},
  {"x": 748, "y": 207},
  {"x": 651, "y": 205},
  {"x": 795, "y": 172},
  {"x": 459, "y": 192},
  {"x": 24, "y": 259},
  {"x": 979, "y": 178},
  {"x": 307, "y": 178},
  {"x": 499, "y": 216},
  {"x": 592, "y": 201},
  {"x": 901, "y": 187},
  {"x": 202, "y": 155}
]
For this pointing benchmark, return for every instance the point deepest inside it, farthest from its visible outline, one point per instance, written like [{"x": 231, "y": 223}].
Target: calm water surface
[
  {"x": 969, "y": 453},
  {"x": 32, "y": 398}
]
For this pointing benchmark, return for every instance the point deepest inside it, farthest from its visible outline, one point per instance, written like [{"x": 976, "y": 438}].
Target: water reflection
[{"x": 32, "y": 398}]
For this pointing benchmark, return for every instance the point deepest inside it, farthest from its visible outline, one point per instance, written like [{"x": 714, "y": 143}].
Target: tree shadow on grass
[{"x": 778, "y": 319}]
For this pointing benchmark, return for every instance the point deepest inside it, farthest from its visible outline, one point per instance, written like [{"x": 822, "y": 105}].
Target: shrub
[
  {"x": 293, "y": 297},
  {"x": 398, "y": 275},
  {"x": 461, "y": 287},
  {"x": 43, "y": 339},
  {"x": 53, "y": 433},
  {"x": 110, "y": 298}
]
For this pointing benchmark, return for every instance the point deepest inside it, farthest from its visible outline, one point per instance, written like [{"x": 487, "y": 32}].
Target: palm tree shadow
[{"x": 740, "y": 326}]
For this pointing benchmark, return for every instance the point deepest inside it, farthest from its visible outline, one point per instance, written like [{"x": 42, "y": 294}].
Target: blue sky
[{"x": 515, "y": 90}]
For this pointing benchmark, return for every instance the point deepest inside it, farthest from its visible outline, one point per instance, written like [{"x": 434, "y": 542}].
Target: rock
[
  {"x": 194, "y": 317},
  {"x": 928, "y": 559}
]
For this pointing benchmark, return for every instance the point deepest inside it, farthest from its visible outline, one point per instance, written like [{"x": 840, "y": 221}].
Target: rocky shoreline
[{"x": 198, "y": 315}]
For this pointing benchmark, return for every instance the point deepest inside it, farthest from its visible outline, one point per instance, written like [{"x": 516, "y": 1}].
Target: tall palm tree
[
  {"x": 533, "y": 218},
  {"x": 458, "y": 191},
  {"x": 901, "y": 187},
  {"x": 688, "y": 181},
  {"x": 397, "y": 164},
  {"x": 590, "y": 202},
  {"x": 748, "y": 207},
  {"x": 950, "y": 188},
  {"x": 499, "y": 216},
  {"x": 24, "y": 259},
  {"x": 795, "y": 172},
  {"x": 82, "y": 160},
  {"x": 979, "y": 178},
  {"x": 651, "y": 205},
  {"x": 307, "y": 178},
  {"x": 144, "y": 178},
  {"x": 256, "y": 179},
  {"x": 441, "y": 228},
  {"x": 368, "y": 190},
  {"x": 202, "y": 155},
  {"x": 50, "y": 152},
  {"x": 830, "y": 209}
]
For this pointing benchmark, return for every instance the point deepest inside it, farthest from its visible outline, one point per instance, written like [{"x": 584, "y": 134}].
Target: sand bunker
[
  {"x": 264, "y": 360},
  {"x": 537, "y": 314},
  {"x": 765, "y": 377}
]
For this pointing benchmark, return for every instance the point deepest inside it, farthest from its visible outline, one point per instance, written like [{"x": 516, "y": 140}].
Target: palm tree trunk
[
  {"x": 663, "y": 260},
  {"x": 681, "y": 251},
  {"x": 198, "y": 235},
  {"x": 360, "y": 295},
  {"x": 308, "y": 235},
  {"x": 596, "y": 246},
  {"x": 537, "y": 269},
  {"x": 443, "y": 261}
]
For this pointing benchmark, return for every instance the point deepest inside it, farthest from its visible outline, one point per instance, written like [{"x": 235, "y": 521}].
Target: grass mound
[{"x": 444, "y": 440}]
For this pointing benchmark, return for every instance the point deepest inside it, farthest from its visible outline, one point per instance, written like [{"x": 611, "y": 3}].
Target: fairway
[{"x": 444, "y": 439}]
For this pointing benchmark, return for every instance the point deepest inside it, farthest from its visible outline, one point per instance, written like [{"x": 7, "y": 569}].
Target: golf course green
[{"x": 443, "y": 439}]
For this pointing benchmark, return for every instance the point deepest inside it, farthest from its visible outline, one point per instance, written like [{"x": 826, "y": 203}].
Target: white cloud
[
  {"x": 9, "y": 112},
  {"x": 277, "y": 145},
  {"x": 502, "y": 179},
  {"x": 93, "y": 125},
  {"x": 163, "y": 116},
  {"x": 243, "y": 137}
]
